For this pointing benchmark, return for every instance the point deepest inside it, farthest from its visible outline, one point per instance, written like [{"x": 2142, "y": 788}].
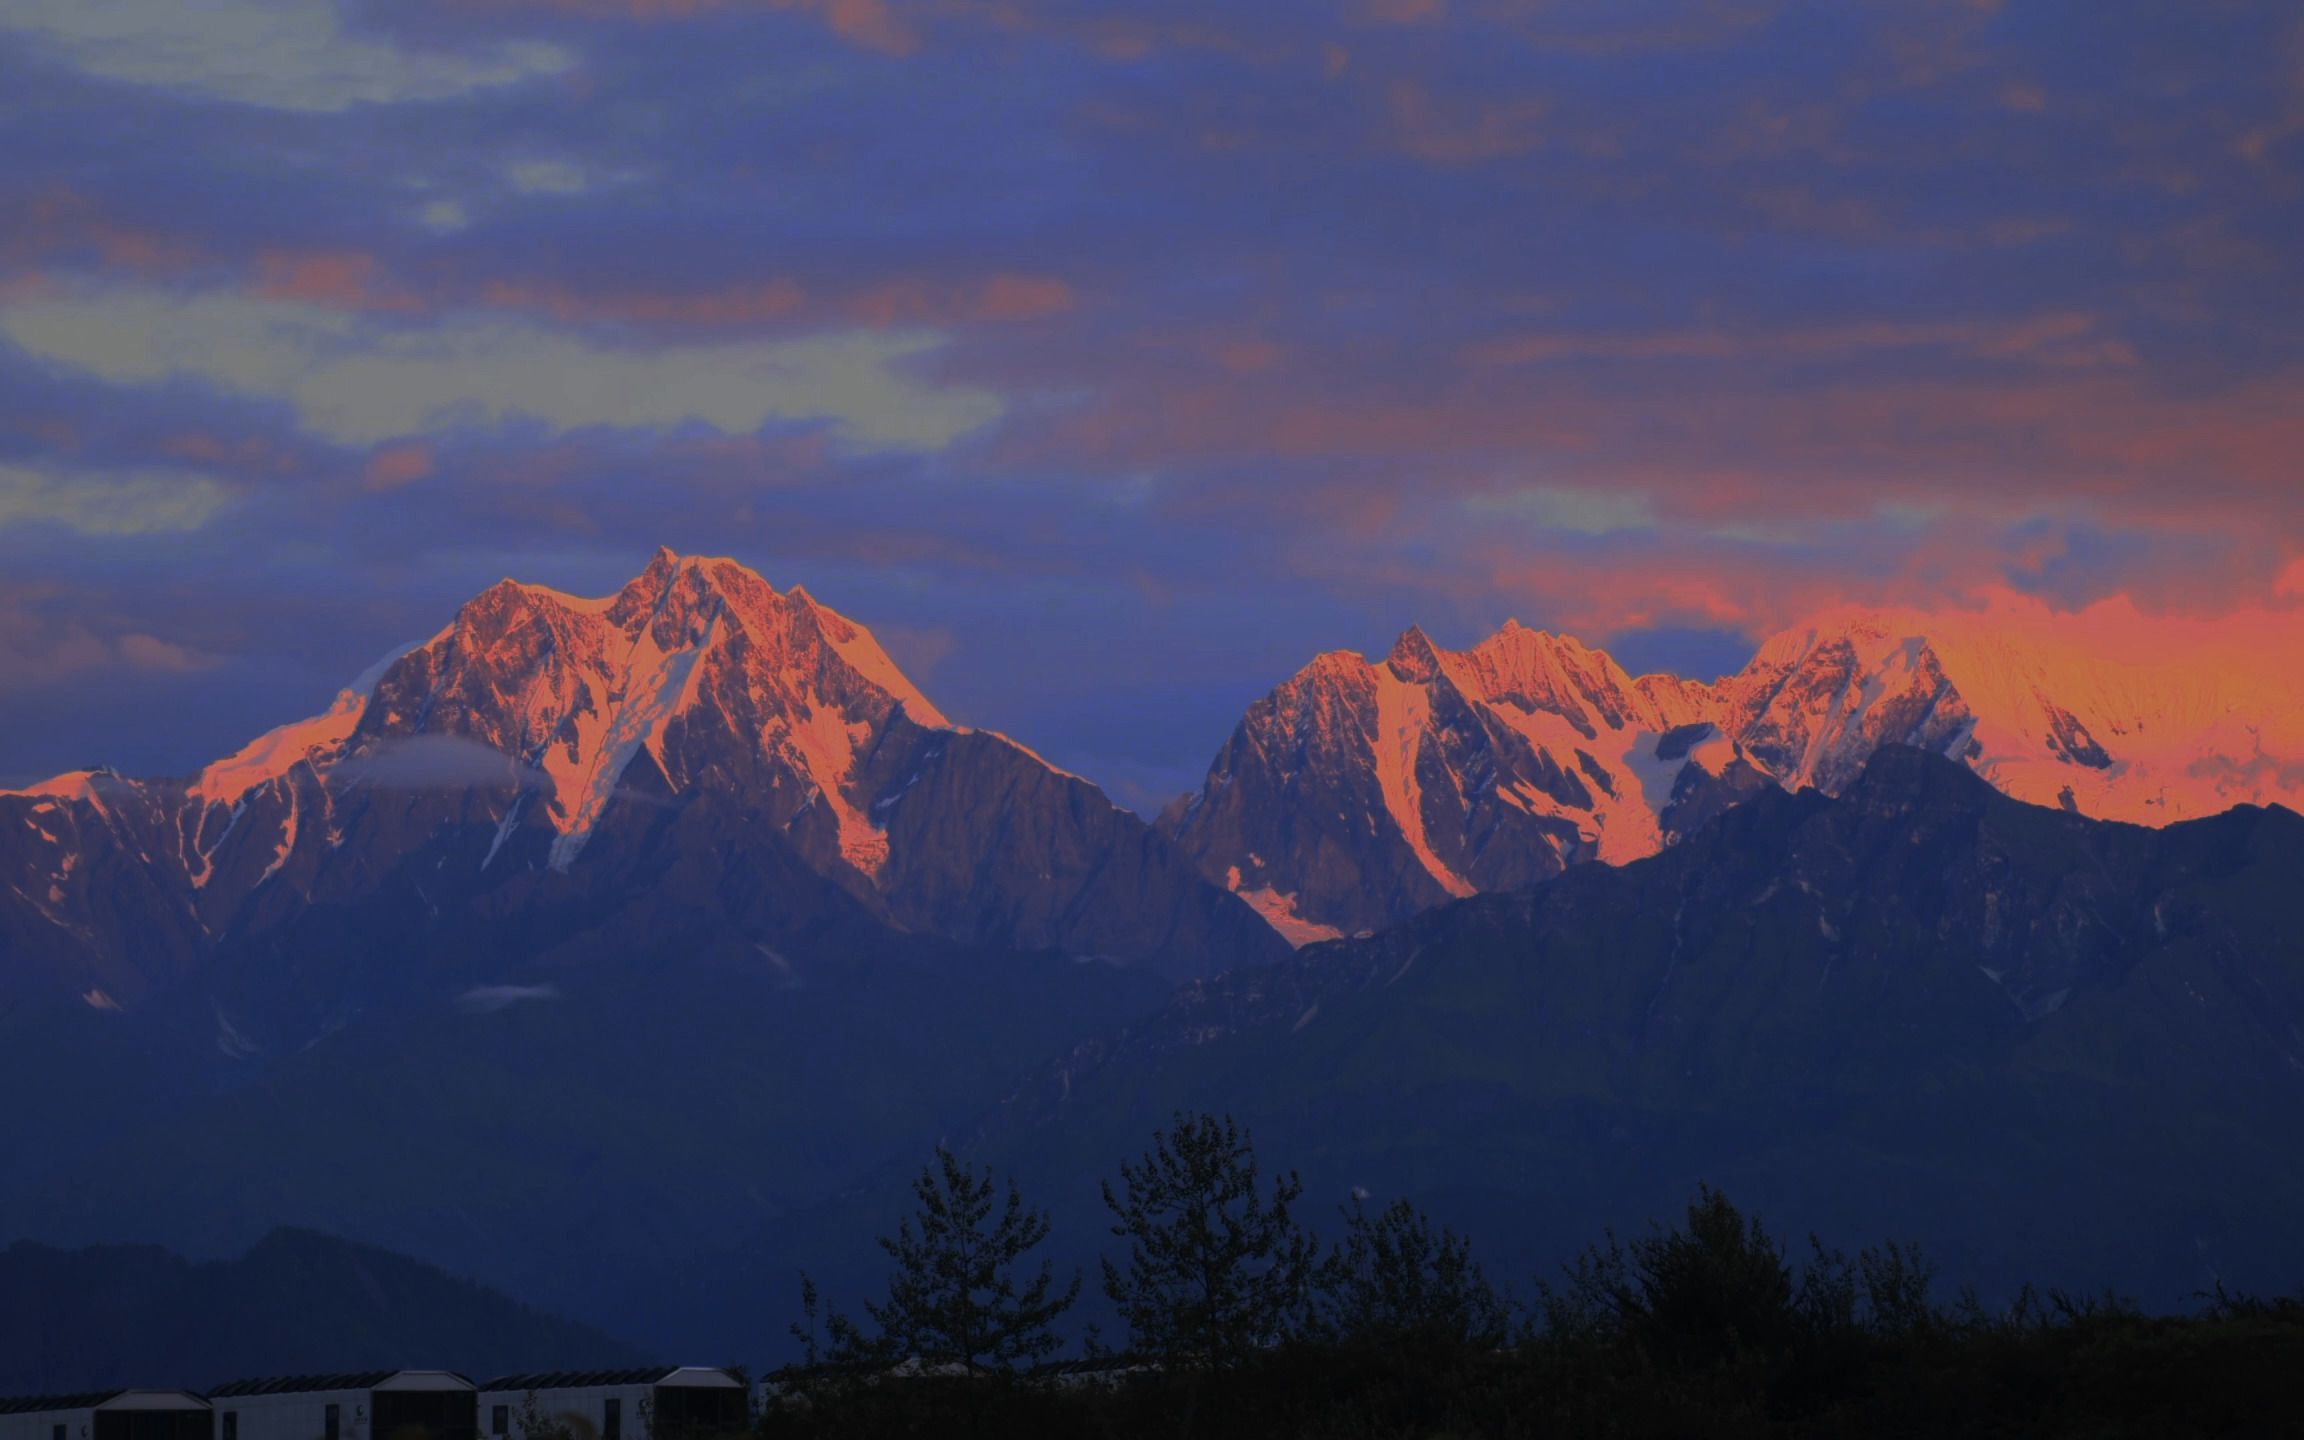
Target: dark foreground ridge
[
  {"x": 1239, "y": 1324},
  {"x": 2049, "y": 1048}
]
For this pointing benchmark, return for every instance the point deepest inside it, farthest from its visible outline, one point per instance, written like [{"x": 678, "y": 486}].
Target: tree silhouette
[
  {"x": 1394, "y": 1280},
  {"x": 959, "y": 1295},
  {"x": 1215, "y": 1269}
]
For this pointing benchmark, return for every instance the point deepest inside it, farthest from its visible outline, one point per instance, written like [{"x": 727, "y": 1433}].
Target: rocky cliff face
[{"x": 547, "y": 756}]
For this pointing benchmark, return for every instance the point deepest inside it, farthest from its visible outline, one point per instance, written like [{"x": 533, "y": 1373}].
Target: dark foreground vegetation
[{"x": 1239, "y": 1323}]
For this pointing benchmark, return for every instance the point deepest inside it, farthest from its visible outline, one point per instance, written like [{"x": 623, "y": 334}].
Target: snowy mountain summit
[
  {"x": 1357, "y": 794},
  {"x": 697, "y": 672}
]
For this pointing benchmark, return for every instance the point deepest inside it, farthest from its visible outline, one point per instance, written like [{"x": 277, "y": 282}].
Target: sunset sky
[{"x": 1111, "y": 359}]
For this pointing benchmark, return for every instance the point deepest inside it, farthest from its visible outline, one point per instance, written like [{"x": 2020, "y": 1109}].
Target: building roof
[
  {"x": 579, "y": 1379},
  {"x": 100, "y": 1399},
  {"x": 296, "y": 1384},
  {"x": 27, "y": 1404}
]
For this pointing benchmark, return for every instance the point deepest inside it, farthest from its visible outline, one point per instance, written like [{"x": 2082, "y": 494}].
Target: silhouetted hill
[{"x": 298, "y": 1302}]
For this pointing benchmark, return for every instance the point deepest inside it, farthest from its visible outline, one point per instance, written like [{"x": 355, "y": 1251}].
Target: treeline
[{"x": 1240, "y": 1322}]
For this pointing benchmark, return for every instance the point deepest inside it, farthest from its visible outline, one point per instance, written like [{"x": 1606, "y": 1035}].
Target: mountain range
[
  {"x": 1358, "y": 794},
  {"x": 618, "y": 951}
]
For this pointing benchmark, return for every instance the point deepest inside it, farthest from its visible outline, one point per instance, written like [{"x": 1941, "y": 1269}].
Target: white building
[
  {"x": 659, "y": 1402},
  {"x": 108, "y": 1415},
  {"x": 365, "y": 1405}
]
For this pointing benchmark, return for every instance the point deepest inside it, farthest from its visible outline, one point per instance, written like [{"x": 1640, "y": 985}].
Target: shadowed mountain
[
  {"x": 296, "y": 1303},
  {"x": 2046, "y": 1046}
]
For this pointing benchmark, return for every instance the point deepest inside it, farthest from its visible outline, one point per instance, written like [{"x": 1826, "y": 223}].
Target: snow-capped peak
[{"x": 697, "y": 664}]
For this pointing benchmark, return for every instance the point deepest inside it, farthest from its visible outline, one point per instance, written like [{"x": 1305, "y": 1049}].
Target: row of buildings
[{"x": 655, "y": 1403}]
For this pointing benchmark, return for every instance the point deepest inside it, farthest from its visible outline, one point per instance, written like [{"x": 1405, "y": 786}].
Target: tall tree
[
  {"x": 960, "y": 1294},
  {"x": 1216, "y": 1269},
  {"x": 1395, "y": 1280}
]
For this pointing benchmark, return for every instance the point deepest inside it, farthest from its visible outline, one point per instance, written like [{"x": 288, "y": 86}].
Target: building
[
  {"x": 363, "y": 1405},
  {"x": 108, "y": 1415},
  {"x": 659, "y": 1402}
]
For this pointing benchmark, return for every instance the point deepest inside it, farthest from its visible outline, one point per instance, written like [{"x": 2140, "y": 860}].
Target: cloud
[
  {"x": 362, "y": 380},
  {"x": 392, "y": 466},
  {"x": 487, "y": 999},
  {"x": 916, "y": 301},
  {"x": 443, "y": 217},
  {"x": 868, "y": 23},
  {"x": 437, "y": 762},
  {"x": 1578, "y": 511},
  {"x": 547, "y": 177},
  {"x": 2067, "y": 339},
  {"x": 109, "y": 503},
  {"x": 276, "y": 54},
  {"x": 42, "y": 642},
  {"x": 1448, "y": 130}
]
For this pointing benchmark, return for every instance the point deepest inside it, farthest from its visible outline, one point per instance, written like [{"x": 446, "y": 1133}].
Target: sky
[{"x": 1109, "y": 360}]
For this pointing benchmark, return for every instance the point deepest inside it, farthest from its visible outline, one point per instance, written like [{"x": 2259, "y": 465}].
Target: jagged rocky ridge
[{"x": 1358, "y": 794}]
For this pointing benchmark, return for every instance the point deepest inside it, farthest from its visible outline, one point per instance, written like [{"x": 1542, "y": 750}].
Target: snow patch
[
  {"x": 1403, "y": 715},
  {"x": 276, "y": 752},
  {"x": 656, "y": 686},
  {"x": 1279, "y": 911}
]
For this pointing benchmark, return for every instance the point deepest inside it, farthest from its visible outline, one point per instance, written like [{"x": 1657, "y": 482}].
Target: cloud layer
[{"x": 1135, "y": 351}]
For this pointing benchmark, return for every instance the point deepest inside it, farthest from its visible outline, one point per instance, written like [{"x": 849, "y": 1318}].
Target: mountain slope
[
  {"x": 584, "y": 1134},
  {"x": 2044, "y": 1045},
  {"x": 1356, "y": 795},
  {"x": 297, "y": 1303}
]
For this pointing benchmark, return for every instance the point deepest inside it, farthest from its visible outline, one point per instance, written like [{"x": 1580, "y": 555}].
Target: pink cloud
[
  {"x": 60, "y": 225},
  {"x": 43, "y": 642},
  {"x": 344, "y": 279},
  {"x": 393, "y": 466}
]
